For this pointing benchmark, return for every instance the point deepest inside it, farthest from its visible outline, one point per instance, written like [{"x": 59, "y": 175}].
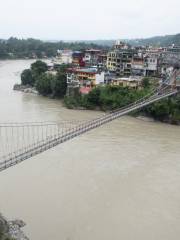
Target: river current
[{"x": 120, "y": 181}]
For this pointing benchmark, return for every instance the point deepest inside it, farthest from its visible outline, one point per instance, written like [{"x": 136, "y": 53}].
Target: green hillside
[{"x": 155, "y": 41}]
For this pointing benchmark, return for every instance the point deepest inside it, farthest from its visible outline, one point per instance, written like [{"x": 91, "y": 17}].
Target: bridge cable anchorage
[{"x": 21, "y": 141}]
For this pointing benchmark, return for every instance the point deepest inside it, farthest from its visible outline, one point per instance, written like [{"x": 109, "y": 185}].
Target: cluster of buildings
[
  {"x": 122, "y": 65},
  {"x": 87, "y": 58}
]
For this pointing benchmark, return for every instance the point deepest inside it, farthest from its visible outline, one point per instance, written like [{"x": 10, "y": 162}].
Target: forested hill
[
  {"x": 21, "y": 48},
  {"x": 163, "y": 41},
  {"x": 28, "y": 48}
]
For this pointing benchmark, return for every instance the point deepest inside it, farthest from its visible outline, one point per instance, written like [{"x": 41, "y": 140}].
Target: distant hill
[
  {"x": 105, "y": 43},
  {"x": 163, "y": 41},
  {"x": 29, "y": 48}
]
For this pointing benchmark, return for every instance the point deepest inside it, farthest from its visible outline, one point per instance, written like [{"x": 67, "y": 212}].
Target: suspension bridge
[{"x": 21, "y": 141}]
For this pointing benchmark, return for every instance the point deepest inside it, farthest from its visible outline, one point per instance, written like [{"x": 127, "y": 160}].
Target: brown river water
[{"x": 120, "y": 181}]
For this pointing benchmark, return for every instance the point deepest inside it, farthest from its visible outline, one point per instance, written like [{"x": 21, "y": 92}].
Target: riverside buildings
[
  {"x": 84, "y": 78},
  {"x": 125, "y": 60},
  {"x": 122, "y": 65},
  {"x": 91, "y": 57},
  {"x": 119, "y": 60}
]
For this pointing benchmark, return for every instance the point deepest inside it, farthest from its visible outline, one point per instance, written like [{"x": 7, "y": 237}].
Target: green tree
[
  {"x": 63, "y": 68},
  {"x": 94, "y": 96},
  {"x": 146, "y": 82},
  {"x": 160, "y": 110},
  {"x": 27, "y": 78},
  {"x": 39, "y": 67},
  {"x": 43, "y": 84},
  {"x": 59, "y": 85}
]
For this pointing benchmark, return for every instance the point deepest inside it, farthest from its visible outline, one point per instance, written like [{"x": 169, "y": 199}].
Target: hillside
[
  {"x": 155, "y": 41},
  {"x": 28, "y": 48}
]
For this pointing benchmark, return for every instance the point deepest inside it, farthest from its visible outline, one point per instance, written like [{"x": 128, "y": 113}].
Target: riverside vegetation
[
  {"x": 47, "y": 84},
  {"x": 104, "y": 98}
]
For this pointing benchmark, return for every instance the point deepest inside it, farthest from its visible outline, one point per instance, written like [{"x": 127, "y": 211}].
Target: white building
[
  {"x": 151, "y": 64},
  {"x": 100, "y": 78},
  {"x": 64, "y": 57}
]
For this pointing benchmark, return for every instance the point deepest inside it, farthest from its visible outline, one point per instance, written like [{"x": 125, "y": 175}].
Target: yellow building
[
  {"x": 131, "y": 82},
  {"x": 87, "y": 76}
]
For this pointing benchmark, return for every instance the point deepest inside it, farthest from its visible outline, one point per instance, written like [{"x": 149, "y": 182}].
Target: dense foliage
[
  {"x": 59, "y": 85},
  {"x": 31, "y": 48},
  {"x": 113, "y": 97},
  {"x": 38, "y": 68},
  {"x": 167, "y": 110},
  {"x": 106, "y": 98},
  {"x": 45, "y": 83},
  {"x": 27, "y": 78}
]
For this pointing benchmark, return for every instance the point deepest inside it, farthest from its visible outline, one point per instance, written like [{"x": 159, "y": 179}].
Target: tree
[
  {"x": 94, "y": 96},
  {"x": 63, "y": 68},
  {"x": 146, "y": 82},
  {"x": 160, "y": 110},
  {"x": 43, "y": 84},
  {"x": 38, "y": 68},
  {"x": 26, "y": 77},
  {"x": 59, "y": 85}
]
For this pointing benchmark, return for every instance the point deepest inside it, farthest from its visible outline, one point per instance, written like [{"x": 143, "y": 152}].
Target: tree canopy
[
  {"x": 33, "y": 48},
  {"x": 45, "y": 82},
  {"x": 27, "y": 78}
]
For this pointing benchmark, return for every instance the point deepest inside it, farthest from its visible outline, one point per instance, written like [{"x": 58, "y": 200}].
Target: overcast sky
[{"x": 88, "y": 19}]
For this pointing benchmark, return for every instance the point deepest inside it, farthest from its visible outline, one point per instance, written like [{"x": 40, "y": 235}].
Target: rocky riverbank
[
  {"x": 25, "y": 88},
  {"x": 11, "y": 229}
]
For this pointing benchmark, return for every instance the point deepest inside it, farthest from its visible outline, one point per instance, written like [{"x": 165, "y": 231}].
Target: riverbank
[
  {"x": 109, "y": 98},
  {"x": 113, "y": 97},
  {"x": 11, "y": 230},
  {"x": 39, "y": 80},
  {"x": 25, "y": 88}
]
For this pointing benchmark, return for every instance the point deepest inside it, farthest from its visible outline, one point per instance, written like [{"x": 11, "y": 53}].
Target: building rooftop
[
  {"x": 93, "y": 50},
  {"x": 129, "y": 79},
  {"x": 85, "y": 70}
]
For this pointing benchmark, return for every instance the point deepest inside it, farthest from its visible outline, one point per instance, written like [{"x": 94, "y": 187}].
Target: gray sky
[{"x": 92, "y": 19}]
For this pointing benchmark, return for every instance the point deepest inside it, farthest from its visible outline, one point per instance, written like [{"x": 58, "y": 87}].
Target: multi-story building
[
  {"x": 85, "y": 78},
  {"x": 77, "y": 59},
  {"x": 151, "y": 64},
  {"x": 171, "y": 56},
  {"x": 91, "y": 57},
  {"x": 134, "y": 82},
  {"x": 138, "y": 66},
  {"x": 102, "y": 60},
  {"x": 119, "y": 61},
  {"x": 64, "y": 57}
]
